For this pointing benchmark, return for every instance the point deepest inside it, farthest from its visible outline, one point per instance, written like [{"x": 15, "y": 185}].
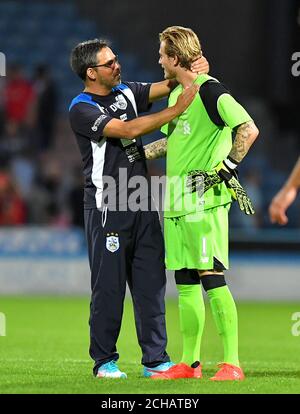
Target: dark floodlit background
[{"x": 250, "y": 46}]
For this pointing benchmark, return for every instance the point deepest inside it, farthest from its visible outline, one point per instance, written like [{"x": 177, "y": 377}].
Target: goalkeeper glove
[{"x": 202, "y": 181}]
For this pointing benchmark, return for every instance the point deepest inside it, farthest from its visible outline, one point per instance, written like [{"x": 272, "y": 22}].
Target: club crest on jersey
[
  {"x": 112, "y": 242},
  {"x": 121, "y": 102}
]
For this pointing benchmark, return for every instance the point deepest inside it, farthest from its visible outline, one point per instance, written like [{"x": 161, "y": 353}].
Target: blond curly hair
[{"x": 183, "y": 43}]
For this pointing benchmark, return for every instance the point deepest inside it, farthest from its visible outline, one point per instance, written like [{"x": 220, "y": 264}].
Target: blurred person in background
[
  {"x": 2, "y": 114},
  {"x": 12, "y": 207},
  {"x": 57, "y": 216},
  {"x": 23, "y": 167},
  {"x": 285, "y": 197},
  {"x": 19, "y": 99},
  {"x": 48, "y": 193},
  {"x": 14, "y": 140},
  {"x": 46, "y": 106},
  {"x": 53, "y": 181}
]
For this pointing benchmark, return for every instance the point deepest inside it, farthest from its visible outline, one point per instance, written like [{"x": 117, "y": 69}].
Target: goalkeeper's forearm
[
  {"x": 156, "y": 149},
  {"x": 245, "y": 136}
]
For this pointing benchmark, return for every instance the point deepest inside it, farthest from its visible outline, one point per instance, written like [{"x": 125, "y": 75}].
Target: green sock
[
  {"x": 191, "y": 318},
  {"x": 225, "y": 316}
]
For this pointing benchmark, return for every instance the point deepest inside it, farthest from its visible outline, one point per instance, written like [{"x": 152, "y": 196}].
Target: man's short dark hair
[{"x": 84, "y": 55}]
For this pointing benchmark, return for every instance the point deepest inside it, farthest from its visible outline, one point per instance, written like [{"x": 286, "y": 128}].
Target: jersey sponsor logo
[
  {"x": 112, "y": 242},
  {"x": 183, "y": 127},
  {"x": 133, "y": 153},
  {"x": 186, "y": 128},
  {"x": 98, "y": 122},
  {"x": 123, "y": 117},
  {"x": 113, "y": 107},
  {"x": 125, "y": 142}
]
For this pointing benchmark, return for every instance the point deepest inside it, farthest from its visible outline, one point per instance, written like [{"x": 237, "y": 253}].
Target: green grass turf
[{"x": 45, "y": 350}]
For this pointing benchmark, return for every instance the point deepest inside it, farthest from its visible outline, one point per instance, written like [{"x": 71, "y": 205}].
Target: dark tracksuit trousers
[{"x": 126, "y": 246}]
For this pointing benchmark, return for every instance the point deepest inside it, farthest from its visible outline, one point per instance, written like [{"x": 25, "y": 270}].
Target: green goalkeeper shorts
[{"x": 198, "y": 240}]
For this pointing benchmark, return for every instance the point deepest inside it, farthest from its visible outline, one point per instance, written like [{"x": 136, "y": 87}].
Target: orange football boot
[
  {"x": 228, "y": 372},
  {"x": 180, "y": 371}
]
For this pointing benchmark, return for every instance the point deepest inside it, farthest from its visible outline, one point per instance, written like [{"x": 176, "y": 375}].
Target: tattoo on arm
[
  {"x": 245, "y": 136},
  {"x": 156, "y": 149}
]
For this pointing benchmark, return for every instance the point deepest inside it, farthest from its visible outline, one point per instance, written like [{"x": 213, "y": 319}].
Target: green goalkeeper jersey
[{"x": 198, "y": 140}]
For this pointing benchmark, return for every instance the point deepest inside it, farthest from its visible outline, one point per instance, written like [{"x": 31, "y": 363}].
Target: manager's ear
[{"x": 91, "y": 74}]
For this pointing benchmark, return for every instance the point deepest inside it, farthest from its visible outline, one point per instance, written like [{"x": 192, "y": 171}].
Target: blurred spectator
[
  {"x": 46, "y": 106},
  {"x": 48, "y": 193},
  {"x": 13, "y": 142},
  {"x": 285, "y": 197},
  {"x": 23, "y": 169},
  {"x": 39, "y": 200},
  {"x": 2, "y": 115},
  {"x": 57, "y": 217},
  {"x": 12, "y": 207},
  {"x": 19, "y": 98}
]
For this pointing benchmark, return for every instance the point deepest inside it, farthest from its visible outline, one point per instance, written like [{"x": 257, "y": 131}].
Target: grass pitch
[{"x": 45, "y": 350}]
